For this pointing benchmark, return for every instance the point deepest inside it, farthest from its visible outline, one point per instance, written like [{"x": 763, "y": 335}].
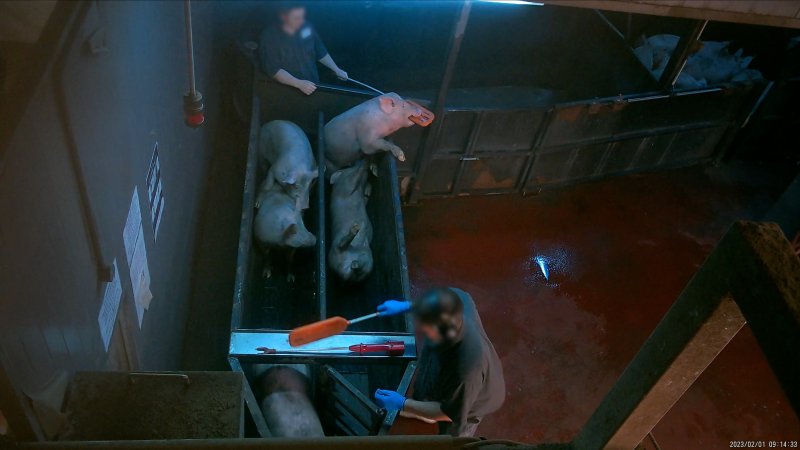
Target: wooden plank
[
  {"x": 752, "y": 275},
  {"x": 771, "y": 13}
]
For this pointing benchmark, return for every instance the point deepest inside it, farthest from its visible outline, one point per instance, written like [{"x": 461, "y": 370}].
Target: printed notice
[
  {"x": 155, "y": 192},
  {"x": 108, "y": 310},
  {"x": 135, "y": 250}
]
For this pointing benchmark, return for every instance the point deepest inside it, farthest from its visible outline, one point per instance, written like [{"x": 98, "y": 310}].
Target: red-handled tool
[{"x": 391, "y": 348}]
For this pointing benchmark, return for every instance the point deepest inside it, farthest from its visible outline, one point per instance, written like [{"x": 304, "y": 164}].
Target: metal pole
[
  {"x": 684, "y": 49},
  {"x": 187, "y": 13},
  {"x": 429, "y": 139}
]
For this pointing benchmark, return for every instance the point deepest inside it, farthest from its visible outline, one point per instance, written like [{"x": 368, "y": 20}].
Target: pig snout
[
  {"x": 416, "y": 110},
  {"x": 408, "y": 110},
  {"x": 356, "y": 267}
]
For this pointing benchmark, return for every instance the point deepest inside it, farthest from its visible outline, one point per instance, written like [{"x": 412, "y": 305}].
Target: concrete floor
[{"x": 621, "y": 251}]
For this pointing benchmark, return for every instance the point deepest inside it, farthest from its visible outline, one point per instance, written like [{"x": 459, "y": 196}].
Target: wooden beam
[
  {"x": 752, "y": 275},
  {"x": 771, "y": 13}
]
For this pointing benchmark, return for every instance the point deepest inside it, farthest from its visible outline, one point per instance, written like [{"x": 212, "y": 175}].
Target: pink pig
[{"x": 361, "y": 130}]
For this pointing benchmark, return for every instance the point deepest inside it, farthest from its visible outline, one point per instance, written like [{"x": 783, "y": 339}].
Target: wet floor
[{"x": 618, "y": 253}]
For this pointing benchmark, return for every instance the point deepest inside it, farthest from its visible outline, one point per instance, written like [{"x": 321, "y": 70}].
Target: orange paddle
[{"x": 322, "y": 329}]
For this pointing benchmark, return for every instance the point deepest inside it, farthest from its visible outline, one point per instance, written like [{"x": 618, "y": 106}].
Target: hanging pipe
[{"x": 193, "y": 100}]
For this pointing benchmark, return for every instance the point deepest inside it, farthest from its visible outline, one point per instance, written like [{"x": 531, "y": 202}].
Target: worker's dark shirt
[
  {"x": 297, "y": 54},
  {"x": 465, "y": 375}
]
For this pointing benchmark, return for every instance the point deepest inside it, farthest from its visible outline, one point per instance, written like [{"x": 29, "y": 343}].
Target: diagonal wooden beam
[{"x": 751, "y": 276}]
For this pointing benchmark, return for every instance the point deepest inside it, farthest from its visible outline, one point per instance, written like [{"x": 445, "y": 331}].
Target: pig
[
  {"x": 278, "y": 223},
  {"x": 350, "y": 255},
  {"x": 285, "y": 148},
  {"x": 286, "y": 405},
  {"x": 362, "y": 129}
]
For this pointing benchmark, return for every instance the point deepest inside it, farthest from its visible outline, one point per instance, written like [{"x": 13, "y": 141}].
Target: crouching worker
[{"x": 459, "y": 377}]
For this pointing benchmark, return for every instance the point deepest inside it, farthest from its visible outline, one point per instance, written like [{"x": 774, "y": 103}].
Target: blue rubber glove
[
  {"x": 394, "y": 307},
  {"x": 390, "y": 400}
]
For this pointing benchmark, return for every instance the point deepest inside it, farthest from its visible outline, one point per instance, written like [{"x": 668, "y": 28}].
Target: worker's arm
[
  {"x": 288, "y": 79},
  {"x": 328, "y": 62},
  {"x": 427, "y": 411}
]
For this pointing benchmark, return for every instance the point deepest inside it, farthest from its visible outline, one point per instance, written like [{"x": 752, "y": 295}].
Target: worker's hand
[
  {"x": 393, "y": 307},
  {"x": 306, "y": 87},
  {"x": 341, "y": 74},
  {"x": 390, "y": 400}
]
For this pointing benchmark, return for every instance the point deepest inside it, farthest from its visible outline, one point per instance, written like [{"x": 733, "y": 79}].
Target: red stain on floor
[{"x": 619, "y": 253}]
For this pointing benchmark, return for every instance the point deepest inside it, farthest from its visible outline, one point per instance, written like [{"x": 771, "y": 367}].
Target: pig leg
[
  {"x": 267, "y": 272},
  {"x": 382, "y": 145},
  {"x": 289, "y": 262}
]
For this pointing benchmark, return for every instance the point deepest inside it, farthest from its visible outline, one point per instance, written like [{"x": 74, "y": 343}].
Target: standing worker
[
  {"x": 289, "y": 50},
  {"x": 459, "y": 376}
]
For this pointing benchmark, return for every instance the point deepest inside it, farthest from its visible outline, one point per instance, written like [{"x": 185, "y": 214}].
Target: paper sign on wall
[
  {"x": 155, "y": 193},
  {"x": 108, "y": 310},
  {"x": 133, "y": 236}
]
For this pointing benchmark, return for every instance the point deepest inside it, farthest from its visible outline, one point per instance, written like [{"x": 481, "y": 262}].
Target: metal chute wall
[{"x": 521, "y": 150}]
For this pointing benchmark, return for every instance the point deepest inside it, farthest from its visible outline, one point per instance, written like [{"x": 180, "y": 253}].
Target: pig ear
[
  {"x": 335, "y": 176},
  {"x": 290, "y": 230},
  {"x": 387, "y": 104}
]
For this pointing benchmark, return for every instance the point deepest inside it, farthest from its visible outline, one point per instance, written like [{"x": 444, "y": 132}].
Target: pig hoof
[
  {"x": 374, "y": 169},
  {"x": 290, "y": 277},
  {"x": 400, "y": 156},
  {"x": 267, "y": 272}
]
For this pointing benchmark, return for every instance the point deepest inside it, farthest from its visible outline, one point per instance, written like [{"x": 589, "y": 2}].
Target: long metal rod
[
  {"x": 322, "y": 266},
  {"x": 105, "y": 272},
  {"x": 241, "y": 285},
  {"x": 366, "y": 86},
  {"x": 431, "y": 136},
  {"x": 363, "y": 318},
  {"x": 405, "y": 383},
  {"x": 680, "y": 55},
  {"x": 187, "y": 13}
]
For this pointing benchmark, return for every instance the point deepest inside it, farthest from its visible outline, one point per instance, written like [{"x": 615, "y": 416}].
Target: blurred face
[
  {"x": 293, "y": 19},
  {"x": 431, "y": 332}
]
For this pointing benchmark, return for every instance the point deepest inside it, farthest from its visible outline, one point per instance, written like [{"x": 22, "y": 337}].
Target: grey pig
[
  {"x": 350, "y": 255},
  {"x": 287, "y": 405},
  {"x": 285, "y": 147},
  {"x": 278, "y": 223},
  {"x": 362, "y": 129}
]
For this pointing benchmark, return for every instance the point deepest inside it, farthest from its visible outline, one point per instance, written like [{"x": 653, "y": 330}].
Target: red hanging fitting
[{"x": 193, "y": 101}]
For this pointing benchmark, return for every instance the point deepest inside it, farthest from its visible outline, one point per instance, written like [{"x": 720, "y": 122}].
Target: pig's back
[
  {"x": 281, "y": 137},
  {"x": 341, "y": 135}
]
